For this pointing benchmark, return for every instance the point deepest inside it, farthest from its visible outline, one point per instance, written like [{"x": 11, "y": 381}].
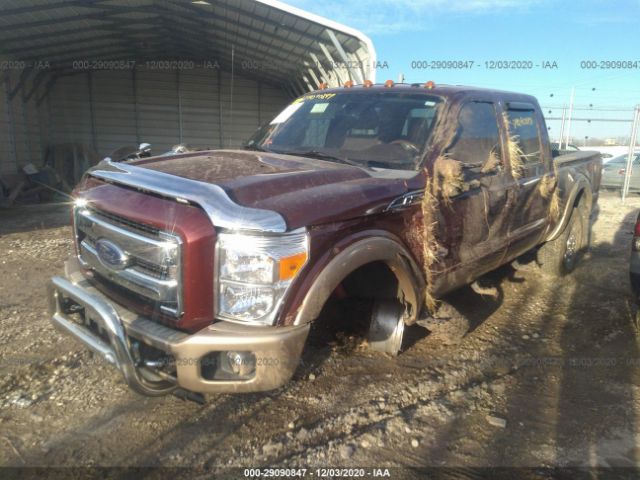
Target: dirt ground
[{"x": 547, "y": 376}]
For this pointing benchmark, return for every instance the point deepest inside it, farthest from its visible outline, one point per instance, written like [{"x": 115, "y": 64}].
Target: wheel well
[
  {"x": 348, "y": 309},
  {"x": 372, "y": 280},
  {"x": 581, "y": 199},
  {"x": 584, "y": 198},
  {"x": 578, "y": 198},
  {"x": 379, "y": 266},
  {"x": 582, "y": 206}
]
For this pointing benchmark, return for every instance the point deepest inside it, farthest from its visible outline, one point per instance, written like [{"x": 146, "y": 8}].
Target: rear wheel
[{"x": 560, "y": 256}]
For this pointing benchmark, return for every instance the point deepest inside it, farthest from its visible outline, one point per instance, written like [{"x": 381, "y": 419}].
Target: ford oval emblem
[{"x": 111, "y": 255}]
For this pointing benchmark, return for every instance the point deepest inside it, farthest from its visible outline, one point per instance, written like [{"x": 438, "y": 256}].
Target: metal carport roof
[{"x": 263, "y": 39}]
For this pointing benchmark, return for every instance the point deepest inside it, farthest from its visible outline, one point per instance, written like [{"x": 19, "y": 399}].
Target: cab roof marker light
[
  {"x": 367, "y": 84},
  {"x": 389, "y": 83},
  {"x": 348, "y": 84},
  {"x": 430, "y": 85},
  {"x": 323, "y": 86}
]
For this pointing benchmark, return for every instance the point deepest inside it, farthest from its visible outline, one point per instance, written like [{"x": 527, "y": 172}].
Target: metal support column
[
  {"x": 259, "y": 103},
  {"x": 355, "y": 73},
  {"x": 631, "y": 155},
  {"x": 334, "y": 65},
  {"x": 136, "y": 110},
  {"x": 11, "y": 126},
  {"x": 179, "y": 94},
  {"x": 40, "y": 130},
  {"x": 94, "y": 141},
  {"x": 220, "y": 120},
  {"x": 26, "y": 138}
]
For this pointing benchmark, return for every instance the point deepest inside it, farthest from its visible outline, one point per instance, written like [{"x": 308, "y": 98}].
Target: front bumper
[{"x": 115, "y": 333}]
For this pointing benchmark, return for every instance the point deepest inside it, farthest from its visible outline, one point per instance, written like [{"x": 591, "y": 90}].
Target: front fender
[{"x": 362, "y": 248}]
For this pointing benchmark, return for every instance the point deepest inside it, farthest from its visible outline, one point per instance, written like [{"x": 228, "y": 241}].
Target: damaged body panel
[{"x": 214, "y": 261}]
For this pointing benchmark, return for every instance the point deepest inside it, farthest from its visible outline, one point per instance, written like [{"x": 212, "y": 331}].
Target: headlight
[{"x": 254, "y": 272}]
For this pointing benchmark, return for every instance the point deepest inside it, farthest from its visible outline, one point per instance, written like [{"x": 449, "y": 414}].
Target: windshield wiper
[{"x": 326, "y": 156}]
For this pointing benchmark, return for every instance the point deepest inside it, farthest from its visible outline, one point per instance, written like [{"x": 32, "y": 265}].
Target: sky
[{"x": 536, "y": 31}]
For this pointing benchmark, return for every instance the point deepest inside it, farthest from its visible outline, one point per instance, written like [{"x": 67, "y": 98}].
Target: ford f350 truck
[{"x": 204, "y": 271}]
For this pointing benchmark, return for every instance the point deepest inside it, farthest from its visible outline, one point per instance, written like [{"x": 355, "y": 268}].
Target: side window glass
[
  {"x": 477, "y": 142},
  {"x": 417, "y": 120},
  {"x": 524, "y": 138}
]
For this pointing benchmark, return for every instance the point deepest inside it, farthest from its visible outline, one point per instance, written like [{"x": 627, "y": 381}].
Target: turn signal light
[
  {"x": 389, "y": 83},
  {"x": 289, "y": 266}
]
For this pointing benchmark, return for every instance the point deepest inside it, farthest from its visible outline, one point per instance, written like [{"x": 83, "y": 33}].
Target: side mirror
[{"x": 144, "y": 150}]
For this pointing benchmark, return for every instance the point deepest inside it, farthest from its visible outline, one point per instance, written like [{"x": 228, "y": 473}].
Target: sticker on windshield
[
  {"x": 318, "y": 96},
  {"x": 284, "y": 115},
  {"x": 319, "y": 108}
]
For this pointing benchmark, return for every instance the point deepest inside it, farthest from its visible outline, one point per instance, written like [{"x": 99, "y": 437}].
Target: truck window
[
  {"x": 523, "y": 128},
  {"x": 478, "y": 139}
]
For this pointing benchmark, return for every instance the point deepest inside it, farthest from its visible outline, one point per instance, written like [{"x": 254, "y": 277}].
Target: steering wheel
[{"x": 406, "y": 145}]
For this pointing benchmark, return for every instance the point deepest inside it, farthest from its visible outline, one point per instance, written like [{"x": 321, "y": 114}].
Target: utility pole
[
  {"x": 573, "y": 91},
  {"x": 631, "y": 155},
  {"x": 564, "y": 119}
]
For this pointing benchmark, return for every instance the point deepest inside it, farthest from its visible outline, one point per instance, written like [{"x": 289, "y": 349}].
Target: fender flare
[
  {"x": 357, "y": 254},
  {"x": 581, "y": 186}
]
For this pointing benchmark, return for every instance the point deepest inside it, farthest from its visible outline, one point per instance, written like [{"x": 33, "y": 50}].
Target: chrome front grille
[
  {"x": 138, "y": 257},
  {"x": 125, "y": 222}
]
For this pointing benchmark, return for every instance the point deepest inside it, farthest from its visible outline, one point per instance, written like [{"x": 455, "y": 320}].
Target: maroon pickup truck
[{"x": 205, "y": 271}]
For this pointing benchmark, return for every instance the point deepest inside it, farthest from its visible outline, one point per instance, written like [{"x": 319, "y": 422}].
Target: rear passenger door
[{"x": 529, "y": 162}]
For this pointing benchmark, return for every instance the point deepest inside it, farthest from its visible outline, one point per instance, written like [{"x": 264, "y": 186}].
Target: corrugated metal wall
[
  {"x": 20, "y": 135},
  {"x": 109, "y": 109},
  {"x": 114, "y": 117},
  {"x": 162, "y": 108}
]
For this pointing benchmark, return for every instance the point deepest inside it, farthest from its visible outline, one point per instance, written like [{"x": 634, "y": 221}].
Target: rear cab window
[{"x": 524, "y": 136}]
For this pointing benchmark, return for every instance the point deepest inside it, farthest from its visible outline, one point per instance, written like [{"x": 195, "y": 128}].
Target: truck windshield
[{"x": 372, "y": 129}]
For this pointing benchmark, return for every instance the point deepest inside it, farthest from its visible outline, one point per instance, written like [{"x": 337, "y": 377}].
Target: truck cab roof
[{"x": 441, "y": 90}]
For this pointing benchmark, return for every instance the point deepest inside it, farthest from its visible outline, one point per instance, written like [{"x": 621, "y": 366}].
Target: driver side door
[{"x": 473, "y": 223}]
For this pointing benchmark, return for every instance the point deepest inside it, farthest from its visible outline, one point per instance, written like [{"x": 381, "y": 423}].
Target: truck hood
[{"x": 304, "y": 191}]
